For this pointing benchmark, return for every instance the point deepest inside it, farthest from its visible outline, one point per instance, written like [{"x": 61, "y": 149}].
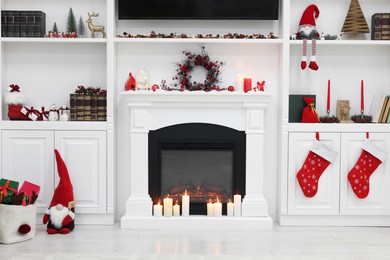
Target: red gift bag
[{"x": 309, "y": 113}]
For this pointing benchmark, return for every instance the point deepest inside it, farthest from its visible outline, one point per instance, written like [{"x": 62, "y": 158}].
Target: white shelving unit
[{"x": 48, "y": 70}]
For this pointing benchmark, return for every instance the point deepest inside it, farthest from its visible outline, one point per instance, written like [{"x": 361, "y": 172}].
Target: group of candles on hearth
[{"x": 168, "y": 209}]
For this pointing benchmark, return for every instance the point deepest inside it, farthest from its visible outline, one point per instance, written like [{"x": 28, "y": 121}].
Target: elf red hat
[
  {"x": 63, "y": 194},
  {"x": 308, "y": 15}
]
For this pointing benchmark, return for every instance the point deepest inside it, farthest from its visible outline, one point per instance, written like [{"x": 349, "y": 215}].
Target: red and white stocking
[
  {"x": 313, "y": 64},
  {"x": 359, "y": 176},
  {"x": 319, "y": 158}
]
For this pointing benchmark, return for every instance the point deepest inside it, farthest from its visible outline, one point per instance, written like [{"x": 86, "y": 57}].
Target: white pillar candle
[
  {"x": 240, "y": 82},
  {"x": 237, "y": 205},
  {"x": 168, "y": 203},
  {"x": 185, "y": 205},
  {"x": 176, "y": 210},
  {"x": 217, "y": 209},
  {"x": 157, "y": 210},
  {"x": 210, "y": 209},
  {"x": 230, "y": 208}
]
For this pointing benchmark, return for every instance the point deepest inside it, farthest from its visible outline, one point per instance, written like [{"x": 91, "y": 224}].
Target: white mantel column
[
  {"x": 139, "y": 202},
  {"x": 254, "y": 203}
]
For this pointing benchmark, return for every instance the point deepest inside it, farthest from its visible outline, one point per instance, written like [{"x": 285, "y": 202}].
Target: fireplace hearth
[
  {"x": 151, "y": 112},
  {"x": 207, "y": 161}
]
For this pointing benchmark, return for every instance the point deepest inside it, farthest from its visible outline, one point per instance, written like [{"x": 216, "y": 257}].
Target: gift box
[
  {"x": 17, "y": 223},
  {"x": 28, "y": 188},
  {"x": 8, "y": 189}
]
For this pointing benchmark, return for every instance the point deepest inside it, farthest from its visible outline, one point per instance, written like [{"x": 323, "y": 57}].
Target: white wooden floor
[{"x": 111, "y": 242}]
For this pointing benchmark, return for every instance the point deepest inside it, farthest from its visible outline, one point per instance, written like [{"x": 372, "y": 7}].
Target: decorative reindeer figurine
[{"x": 95, "y": 28}]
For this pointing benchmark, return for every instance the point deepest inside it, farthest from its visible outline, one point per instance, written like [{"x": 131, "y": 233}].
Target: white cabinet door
[
  {"x": 378, "y": 200},
  {"x": 29, "y": 156},
  {"x": 326, "y": 201},
  {"x": 84, "y": 153}
]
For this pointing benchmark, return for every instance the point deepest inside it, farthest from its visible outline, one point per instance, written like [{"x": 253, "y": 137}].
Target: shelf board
[
  {"x": 197, "y": 40},
  {"x": 52, "y": 40},
  {"x": 344, "y": 42},
  {"x": 338, "y": 127},
  {"x": 53, "y": 125}
]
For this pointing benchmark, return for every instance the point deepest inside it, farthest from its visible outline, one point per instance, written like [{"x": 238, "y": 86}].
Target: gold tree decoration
[{"x": 355, "y": 22}]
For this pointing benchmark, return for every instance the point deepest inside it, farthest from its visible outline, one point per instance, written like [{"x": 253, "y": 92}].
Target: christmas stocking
[
  {"x": 319, "y": 158},
  {"x": 359, "y": 176}
]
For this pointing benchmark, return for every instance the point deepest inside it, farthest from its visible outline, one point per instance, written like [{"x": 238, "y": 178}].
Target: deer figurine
[{"x": 95, "y": 28}]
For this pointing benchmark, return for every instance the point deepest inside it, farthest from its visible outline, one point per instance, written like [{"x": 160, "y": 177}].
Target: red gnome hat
[
  {"x": 308, "y": 15},
  {"x": 63, "y": 194}
]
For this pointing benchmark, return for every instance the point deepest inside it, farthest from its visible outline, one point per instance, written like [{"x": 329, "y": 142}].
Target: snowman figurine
[
  {"x": 64, "y": 113},
  {"x": 53, "y": 114}
]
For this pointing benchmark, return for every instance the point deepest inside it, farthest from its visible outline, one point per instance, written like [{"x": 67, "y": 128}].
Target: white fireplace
[{"x": 147, "y": 111}]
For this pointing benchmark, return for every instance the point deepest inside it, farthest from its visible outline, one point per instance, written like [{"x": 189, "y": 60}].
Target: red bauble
[
  {"x": 155, "y": 87},
  {"x": 231, "y": 88}
]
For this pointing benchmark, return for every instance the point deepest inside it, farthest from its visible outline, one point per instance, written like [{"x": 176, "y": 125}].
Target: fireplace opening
[{"x": 207, "y": 161}]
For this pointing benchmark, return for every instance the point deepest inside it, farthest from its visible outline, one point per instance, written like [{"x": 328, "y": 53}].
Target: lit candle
[
  {"x": 362, "y": 96},
  {"x": 185, "y": 204},
  {"x": 328, "y": 100},
  {"x": 157, "y": 210},
  {"x": 230, "y": 208},
  {"x": 217, "y": 209},
  {"x": 240, "y": 82},
  {"x": 210, "y": 209},
  {"x": 168, "y": 202},
  {"x": 237, "y": 205},
  {"x": 176, "y": 210},
  {"x": 247, "y": 84}
]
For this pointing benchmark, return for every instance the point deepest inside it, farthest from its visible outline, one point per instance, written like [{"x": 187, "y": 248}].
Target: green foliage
[
  {"x": 55, "y": 30},
  {"x": 81, "y": 28},
  {"x": 71, "y": 25}
]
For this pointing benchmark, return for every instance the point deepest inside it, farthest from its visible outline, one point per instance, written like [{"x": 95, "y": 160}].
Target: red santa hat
[
  {"x": 308, "y": 15},
  {"x": 63, "y": 194}
]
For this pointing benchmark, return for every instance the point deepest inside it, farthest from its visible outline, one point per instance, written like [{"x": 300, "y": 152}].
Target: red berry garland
[{"x": 212, "y": 68}]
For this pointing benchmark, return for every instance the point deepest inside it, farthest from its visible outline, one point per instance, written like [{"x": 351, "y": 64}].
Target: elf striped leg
[
  {"x": 313, "y": 64},
  {"x": 303, "y": 60}
]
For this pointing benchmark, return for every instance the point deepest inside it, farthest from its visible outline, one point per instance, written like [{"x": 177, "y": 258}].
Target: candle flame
[
  {"x": 230, "y": 200},
  {"x": 177, "y": 202},
  {"x": 185, "y": 193},
  {"x": 217, "y": 200}
]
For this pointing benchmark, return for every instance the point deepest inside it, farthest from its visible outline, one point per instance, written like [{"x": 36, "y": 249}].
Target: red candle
[
  {"x": 362, "y": 96},
  {"x": 247, "y": 84},
  {"x": 328, "y": 100}
]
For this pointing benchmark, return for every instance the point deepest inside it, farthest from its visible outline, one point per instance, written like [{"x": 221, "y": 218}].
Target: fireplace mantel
[{"x": 147, "y": 110}]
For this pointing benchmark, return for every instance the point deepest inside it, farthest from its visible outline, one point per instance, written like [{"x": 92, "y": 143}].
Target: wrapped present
[
  {"x": 8, "y": 189},
  {"x": 28, "y": 188},
  {"x": 43, "y": 114},
  {"x": 31, "y": 113}
]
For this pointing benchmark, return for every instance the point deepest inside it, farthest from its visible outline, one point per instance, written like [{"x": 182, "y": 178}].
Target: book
[
  {"x": 382, "y": 115},
  {"x": 3, "y": 23},
  {"x": 380, "y": 26},
  {"x": 386, "y": 26},
  {"x": 101, "y": 107},
  {"x": 80, "y": 107},
  {"x": 94, "y": 115},
  {"x": 87, "y": 108},
  {"x": 73, "y": 106},
  {"x": 296, "y": 106},
  {"x": 39, "y": 24},
  {"x": 376, "y": 107},
  {"x": 387, "y": 109}
]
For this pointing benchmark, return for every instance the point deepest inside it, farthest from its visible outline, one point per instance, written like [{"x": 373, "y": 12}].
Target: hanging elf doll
[
  {"x": 369, "y": 160},
  {"x": 307, "y": 31},
  {"x": 319, "y": 158}
]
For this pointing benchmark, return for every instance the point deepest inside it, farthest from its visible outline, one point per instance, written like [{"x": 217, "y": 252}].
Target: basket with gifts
[{"x": 18, "y": 211}]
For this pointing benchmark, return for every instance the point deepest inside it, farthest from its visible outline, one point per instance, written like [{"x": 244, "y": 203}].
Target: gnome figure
[
  {"x": 307, "y": 30},
  {"x": 60, "y": 215}
]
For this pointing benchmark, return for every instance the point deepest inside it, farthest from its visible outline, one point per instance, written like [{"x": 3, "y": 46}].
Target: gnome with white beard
[{"x": 60, "y": 215}]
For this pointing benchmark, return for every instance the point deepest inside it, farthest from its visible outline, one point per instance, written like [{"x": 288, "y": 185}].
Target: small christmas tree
[
  {"x": 355, "y": 21},
  {"x": 55, "y": 30},
  {"x": 81, "y": 28},
  {"x": 71, "y": 24}
]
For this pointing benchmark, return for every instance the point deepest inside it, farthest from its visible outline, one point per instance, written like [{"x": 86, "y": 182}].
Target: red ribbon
[
  {"x": 32, "y": 111},
  {"x": 6, "y": 187},
  {"x": 14, "y": 88},
  {"x": 44, "y": 113}
]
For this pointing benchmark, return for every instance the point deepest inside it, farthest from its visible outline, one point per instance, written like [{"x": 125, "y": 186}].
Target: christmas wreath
[{"x": 203, "y": 60}]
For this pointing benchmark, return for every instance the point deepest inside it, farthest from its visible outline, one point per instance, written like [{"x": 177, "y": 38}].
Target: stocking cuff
[
  {"x": 323, "y": 150},
  {"x": 374, "y": 150}
]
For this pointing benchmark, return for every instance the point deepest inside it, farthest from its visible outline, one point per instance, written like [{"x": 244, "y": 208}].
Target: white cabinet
[
  {"x": 326, "y": 201},
  {"x": 378, "y": 200},
  {"x": 29, "y": 155}
]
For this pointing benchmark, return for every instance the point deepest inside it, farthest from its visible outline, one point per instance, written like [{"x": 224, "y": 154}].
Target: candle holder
[{"x": 361, "y": 118}]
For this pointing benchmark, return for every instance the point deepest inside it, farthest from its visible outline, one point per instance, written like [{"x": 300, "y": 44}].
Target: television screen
[{"x": 199, "y": 9}]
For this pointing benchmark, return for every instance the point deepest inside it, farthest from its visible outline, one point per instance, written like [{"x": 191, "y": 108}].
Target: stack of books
[
  {"x": 380, "y": 109},
  {"x": 88, "y": 106},
  {"x": 380, "y": 26},
  {"x": 16, "y": 23}
]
